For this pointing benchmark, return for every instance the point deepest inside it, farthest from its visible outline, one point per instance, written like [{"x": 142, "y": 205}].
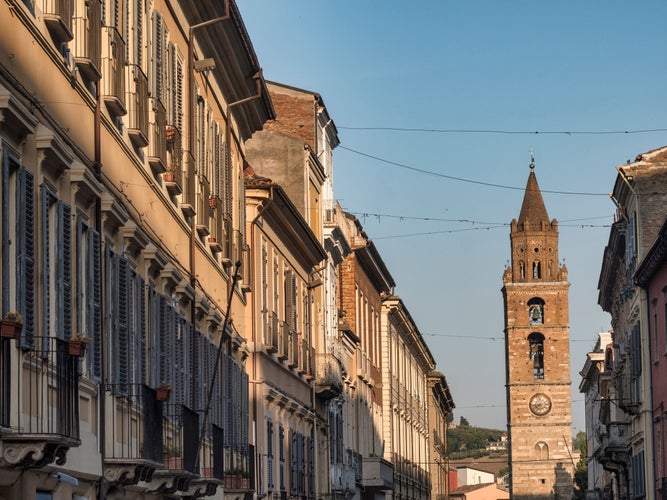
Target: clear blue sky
[{"x": 476, "y": 65}]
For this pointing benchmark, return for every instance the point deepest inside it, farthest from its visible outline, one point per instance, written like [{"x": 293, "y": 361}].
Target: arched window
[
  {"x": 542, "y": 450},
  {"x": 536, "y": 311},
  {"x": 537, "y": 270},
  {"x": 522, "y": 270},
  {"x": 536, "y": 343}
]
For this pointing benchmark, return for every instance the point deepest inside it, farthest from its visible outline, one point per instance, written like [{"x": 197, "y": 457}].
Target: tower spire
[{"x": 533, "y": 210}]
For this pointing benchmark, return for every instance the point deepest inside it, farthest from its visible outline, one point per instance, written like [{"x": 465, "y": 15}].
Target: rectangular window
[
  {"x": 89, "y": 294},
  {"x": 56, "y": 266}
]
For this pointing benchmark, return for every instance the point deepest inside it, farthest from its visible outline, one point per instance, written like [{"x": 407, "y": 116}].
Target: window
[
  {"x": 89, "y": 294},
  {"x": 638, "y": 477},
  {"x": 18, "y": 260},
  {"x": 269, "y": 454},
  {"x": 56, "y": 267},
  {"x": 159, "y": 53},
  {"x": 537, "y": 270},
  {"x": 542, "y": 451},
  {"x": 536, "y": 342},
  {"x": 536, "y": 311}
]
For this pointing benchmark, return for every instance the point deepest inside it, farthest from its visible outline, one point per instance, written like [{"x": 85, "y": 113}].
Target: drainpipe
[{"x": 97, "y": 170}]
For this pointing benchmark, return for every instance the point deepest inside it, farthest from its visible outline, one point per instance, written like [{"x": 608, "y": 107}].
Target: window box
[
  {"x": 11, "y": 325},
  {"x": 76, "y": 346},
  {"x": 163, "y": 392}
]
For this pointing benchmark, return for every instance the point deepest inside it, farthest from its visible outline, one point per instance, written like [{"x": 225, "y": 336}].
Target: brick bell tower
[{"x": 537, "y": 356}]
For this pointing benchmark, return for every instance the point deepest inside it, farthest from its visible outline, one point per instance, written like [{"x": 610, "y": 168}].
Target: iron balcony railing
[
  {"x": 87, "y": 43},
  {"x": 47, "y": 401},
  {"x": 157, "y": 136},
  {"x": 134, "y": 418},
  {"x": 137, "y": 105},
  {"x": 113, "y": 71},
  {"x": 271, "y": 331},
  {"x": 5, "y": 382},
  {"x": 180, "y": 434}
]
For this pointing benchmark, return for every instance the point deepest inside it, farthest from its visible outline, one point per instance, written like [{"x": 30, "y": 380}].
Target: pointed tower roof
[{"x": 532, "y": 208}]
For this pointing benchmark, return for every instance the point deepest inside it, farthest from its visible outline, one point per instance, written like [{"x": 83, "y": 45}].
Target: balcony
[
  {"x": 137, "y": 105},
  {"x": 39, "y": 391},
  {"x": 157, "y": 137},
  {"x": 58, "y": 19},
  {"x": 271, "y": 325},
  {"x": 134, "y": 436},
  {"x": 211, "y": 464},
  {"x": 239, "y": 473},
  {"x": 329, "y": 377},
  {"x": 306, "y": 358},
  {"x": 180, "y": 436},
  {"x": 292, "y": 349},
  {"x": 173, "y": 178},
  {"x": 113, "y": 71},
  {"x": 377, "y": 474},
  {"x": 613, "y": 452},
  {"x": 283, "y": 341},
  {"x": 87, "y": 43}
]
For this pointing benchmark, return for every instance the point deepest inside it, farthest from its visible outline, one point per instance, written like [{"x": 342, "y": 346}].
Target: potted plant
[
  {"x": 11, "y": 325},
  {"x": 168, "y": 176},
  {"x": 76, "y": 345},
  {"x": 172, "y": 458},
  {"x": 213, "y": 201},
  {"x": 163, "y": 391}
]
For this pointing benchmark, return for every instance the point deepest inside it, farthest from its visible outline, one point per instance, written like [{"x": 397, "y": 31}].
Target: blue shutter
[
  {"x": 4, "y": 188},
  {"x": 26, "y": 256},
  {"x": 94, "y": 302},
  {"x": 64, "y": 276},
  {"x": 140, "y": 332},
  {"x": 166, "y": 364},
  {"x": 122, "y": 326},
  {"x": 154, "y": 338},
  {"x": 46, "y": 269}
]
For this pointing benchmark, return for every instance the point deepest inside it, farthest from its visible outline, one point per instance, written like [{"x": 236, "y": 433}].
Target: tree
[
  {"x": 581, "y": 470},
  {"x": 450, "y": 417},
  {"x": 464, "y": 422}
]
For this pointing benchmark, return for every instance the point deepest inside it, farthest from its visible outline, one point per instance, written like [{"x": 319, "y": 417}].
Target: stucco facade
[{"x": 122, "y": 156}]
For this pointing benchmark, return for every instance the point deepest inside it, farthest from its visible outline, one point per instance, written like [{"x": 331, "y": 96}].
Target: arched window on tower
[
  {"x": 522, "y": 270},
  {"x": 550, "y": 269},
  {"x": 536, "y": 311},
  {"x": 537, "y": 270},
  {"x": 536, "y": 343},
  {"x": 542, "y": 450}
]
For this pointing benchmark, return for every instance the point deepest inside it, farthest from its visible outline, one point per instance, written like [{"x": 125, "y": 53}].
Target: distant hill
[{"x": 464, "y": 441}]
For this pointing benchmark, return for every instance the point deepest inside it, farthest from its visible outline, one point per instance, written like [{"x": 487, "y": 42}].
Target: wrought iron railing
[
  {"x": 113, "y": 70},
  {"x": 211, "y": 456},
  {"x": 137, "y": 105},
  {"x": 157, "y": 136},
  {"x": 48, "y": 390},
  {"x": 5, "y": 381},
  {"x": 180, "y": 434},
  {"x": 271, "y": 331},
  {"x": 134, "y": 423}
]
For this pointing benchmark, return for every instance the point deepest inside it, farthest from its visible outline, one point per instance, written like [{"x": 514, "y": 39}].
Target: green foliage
[
  {"x": 580, "y": 443},
  {"x": 467, "y": 438},
  {"x": 464, "y": 422}
]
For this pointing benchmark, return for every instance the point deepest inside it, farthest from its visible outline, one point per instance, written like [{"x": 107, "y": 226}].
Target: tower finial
[{"x": 532, "y": 160}]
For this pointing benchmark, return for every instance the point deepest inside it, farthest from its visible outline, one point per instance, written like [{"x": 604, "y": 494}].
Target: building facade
[
  {"x": 600, "y": 396},
  {"x": 282, "y": 357},
  {"x": 122, "y": 220},
  {"x": 628, "y": 451},
  {"x": 440, "y": 404},
  {"x": 537, "y": 355},
  {"x": 406, "y": 364}
]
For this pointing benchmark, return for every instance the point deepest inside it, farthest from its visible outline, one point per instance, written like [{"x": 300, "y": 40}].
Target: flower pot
[
  {"x": 10, "y": 329},
  {"x": 213, "y": 202},
  {"x": 162, "y": 393},
  {"x": 168, "y": 177},
  {"x": 76, "y": 348}
]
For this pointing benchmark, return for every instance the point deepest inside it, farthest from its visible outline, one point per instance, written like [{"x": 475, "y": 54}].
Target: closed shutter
[
  {"x": 46, "y": 268},
  {"x": 141, "y": 376},
  {"x": 64, "y": 276},
  {"x": 94, "y": 303},
  {"x": 26, "y": 256},
  {"x": 121, "y": 347},
  {"x": 154, "y": 337}
]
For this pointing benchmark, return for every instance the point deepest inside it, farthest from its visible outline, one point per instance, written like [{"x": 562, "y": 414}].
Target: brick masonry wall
[{"x": 295, "y": 116}]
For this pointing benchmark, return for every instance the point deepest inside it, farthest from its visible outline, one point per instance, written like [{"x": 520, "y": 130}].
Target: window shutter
[
  {"x": 153, "y": 337},
  {"x": 122, "y": 327},
  {"x": 140, "y": 331},
  {"x": 46, "y": 268},
  {"x": 94, "y": 302},
  {"x": 26, "y": 256},
  {"x": 64, "y": 270}
]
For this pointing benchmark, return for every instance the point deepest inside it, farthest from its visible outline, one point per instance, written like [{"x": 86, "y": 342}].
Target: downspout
[{"x": 97, "y": 170}]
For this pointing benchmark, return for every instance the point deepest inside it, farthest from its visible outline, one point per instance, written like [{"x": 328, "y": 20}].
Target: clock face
[{"x": 540, "y": 404}]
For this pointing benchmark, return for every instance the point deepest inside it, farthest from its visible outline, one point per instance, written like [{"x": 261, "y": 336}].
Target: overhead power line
[
  {"x": 462, "y": 179},
  {"x": 506, "y": 132}
]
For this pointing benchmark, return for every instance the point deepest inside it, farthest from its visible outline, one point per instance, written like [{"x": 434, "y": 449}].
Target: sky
[{"x": 438, "y": 104}]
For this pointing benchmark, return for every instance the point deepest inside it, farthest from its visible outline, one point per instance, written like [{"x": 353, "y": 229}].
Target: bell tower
[{"x": 537, "y": 356}]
